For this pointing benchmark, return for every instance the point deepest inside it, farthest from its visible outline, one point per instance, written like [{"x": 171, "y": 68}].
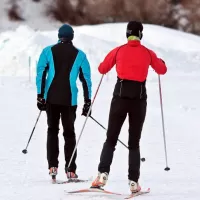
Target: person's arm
[
  {"x": 41, "y": 72},
  {"x": 85, "y": 78},
  {"x": 157, "y": 64},
  {"x": 109, "y": 61}
]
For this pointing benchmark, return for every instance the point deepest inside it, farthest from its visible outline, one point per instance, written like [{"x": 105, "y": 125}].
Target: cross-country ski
[
  {"x": 142, "y": 192},
  {"x": 54, "y": 181},
  {"x": 98, "y": 190}
]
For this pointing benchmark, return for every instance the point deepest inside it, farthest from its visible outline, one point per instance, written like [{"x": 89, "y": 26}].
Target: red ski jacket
[{"x": 132, "y": 62}]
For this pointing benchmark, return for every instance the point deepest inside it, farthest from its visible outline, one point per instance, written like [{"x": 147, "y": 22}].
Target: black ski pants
[
  {"x": 68, "y": 116},
  {"x": 136, "y": 111}
]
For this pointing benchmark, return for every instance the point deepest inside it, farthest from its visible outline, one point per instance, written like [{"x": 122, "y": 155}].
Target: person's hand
[
  {"x": 41, "y": 103},
  {"x": 86, "y": 108}
]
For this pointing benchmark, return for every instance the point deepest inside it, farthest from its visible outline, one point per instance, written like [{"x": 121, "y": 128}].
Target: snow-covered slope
[{"x": 25, "y": 177}]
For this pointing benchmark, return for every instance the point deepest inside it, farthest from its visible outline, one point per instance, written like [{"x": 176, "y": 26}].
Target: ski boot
[
  {"x": 134, "y": 187},
  {"x": 100, "y": 181},
  {"x": 53, "y": 171},
  {"x": 72, "y": 177}
]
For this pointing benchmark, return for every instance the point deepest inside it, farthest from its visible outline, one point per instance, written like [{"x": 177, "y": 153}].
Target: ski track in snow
[{"x": 25, "y": 177}]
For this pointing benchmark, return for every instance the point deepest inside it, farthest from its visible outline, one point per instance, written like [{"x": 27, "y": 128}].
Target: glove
[
  {"x": 86, "y": 108},
  {"x": 41, "y": 103}
]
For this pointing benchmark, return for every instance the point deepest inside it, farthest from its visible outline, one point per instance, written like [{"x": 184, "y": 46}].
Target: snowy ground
[{"x": 25, "y": 177}]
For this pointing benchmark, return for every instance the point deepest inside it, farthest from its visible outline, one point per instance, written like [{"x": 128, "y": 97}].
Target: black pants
[
  {"x": 68, "y": 116},
  {"x": 136, "y": 110}
]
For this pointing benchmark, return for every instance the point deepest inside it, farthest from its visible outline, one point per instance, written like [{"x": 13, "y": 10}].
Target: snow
[
  {"x": 33, "y": 13},
  {"x": 25, "y": 177}
]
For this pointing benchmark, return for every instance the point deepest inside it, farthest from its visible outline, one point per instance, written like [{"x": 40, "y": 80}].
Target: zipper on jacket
[
  {"x": 141, "y": 92},
  {"x": 120, "y": 91}
]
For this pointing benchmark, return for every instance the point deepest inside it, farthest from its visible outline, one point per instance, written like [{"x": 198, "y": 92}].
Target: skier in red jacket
[{"x": 132, "y": 62}]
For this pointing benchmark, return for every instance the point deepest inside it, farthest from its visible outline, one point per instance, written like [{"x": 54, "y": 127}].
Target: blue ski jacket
[{"x": 58, "y": 68}]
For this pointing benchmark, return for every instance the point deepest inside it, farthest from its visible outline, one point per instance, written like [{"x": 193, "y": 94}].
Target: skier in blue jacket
[{"x": 57, "y": 71}]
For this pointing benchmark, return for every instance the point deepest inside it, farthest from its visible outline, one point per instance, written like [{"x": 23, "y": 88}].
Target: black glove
[
  {"x": 86, "y": 108},
  {"x": 41, "y": 103}
]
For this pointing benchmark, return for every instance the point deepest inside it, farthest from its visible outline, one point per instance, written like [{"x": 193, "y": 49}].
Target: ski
[
  {"x": 71, "y": 181},
  {"x": 100, "y": 190},
  {"x": 54, "y": 181},
  {"x": 137, "y": 194}
]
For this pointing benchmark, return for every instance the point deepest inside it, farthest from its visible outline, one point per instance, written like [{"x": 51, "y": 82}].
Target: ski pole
[
  {"x": 142, "y": 159},
  {"x": 85, "y": 123},
  {"x": 25, "y": 150},
  {"x": 163, "y": 125},
  {"x": 106, "y": 129}
]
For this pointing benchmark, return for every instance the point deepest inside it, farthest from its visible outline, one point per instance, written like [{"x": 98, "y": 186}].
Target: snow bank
[
  {"x": 33, "y": 12},
  {"x": 22, "y": 47},
  {"x": 155, "y": 36}
]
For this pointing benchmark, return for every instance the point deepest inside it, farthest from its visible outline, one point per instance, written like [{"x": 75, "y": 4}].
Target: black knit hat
[
  {"x": 134, "y": 28},
  {"x": 66, "y": 31}
]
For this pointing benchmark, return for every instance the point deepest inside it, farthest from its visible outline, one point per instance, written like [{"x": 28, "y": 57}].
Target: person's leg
[
  {"x": 53, "y": 116},
  {"x": 137, "y": 113},
  {"x": 68, "y": 117},
  {"x": 117, "y": 116}
]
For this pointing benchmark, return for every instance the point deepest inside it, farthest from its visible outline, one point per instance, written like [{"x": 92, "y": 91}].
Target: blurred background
[{"x": 183, "y": 15}]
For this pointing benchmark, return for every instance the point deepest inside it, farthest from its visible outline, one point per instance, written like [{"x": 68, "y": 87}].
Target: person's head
[
  {"x": 66, "y": 32},
  {"x": 134, "y": 29}
]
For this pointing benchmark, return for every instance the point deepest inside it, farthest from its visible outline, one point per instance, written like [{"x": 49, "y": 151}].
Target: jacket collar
[
  {"x": 132, "y": 37},
  {"x": 133, "y": 40},
  {"x": 134, "y": 43},
  {"x": 63, "y": 40}
]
